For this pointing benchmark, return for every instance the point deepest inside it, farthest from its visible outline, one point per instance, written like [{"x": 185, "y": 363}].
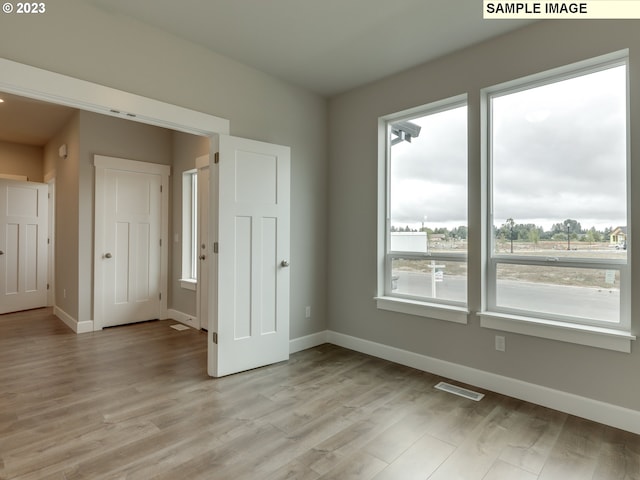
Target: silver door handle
[
  {"x": 284, "y": 263},
  {"x": 107, "y": 255}
]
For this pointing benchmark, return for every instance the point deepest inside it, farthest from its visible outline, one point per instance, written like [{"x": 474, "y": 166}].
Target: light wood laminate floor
[{"x": 135, "y": 402}]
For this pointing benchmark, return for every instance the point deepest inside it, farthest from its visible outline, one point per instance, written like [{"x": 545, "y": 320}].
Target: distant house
[
  {"x": 618, "y": 236},
  {"x": 436, "y": 238}
]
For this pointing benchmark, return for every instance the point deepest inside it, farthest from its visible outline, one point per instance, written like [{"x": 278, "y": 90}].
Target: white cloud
[
  {"x": 559, "y": 152},
  {"x": 429, "y": 175},
  {"x": 570, "y": 164}
]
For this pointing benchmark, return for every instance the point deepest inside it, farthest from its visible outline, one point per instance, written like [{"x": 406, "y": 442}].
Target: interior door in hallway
[
  {"x": 129, "y": 230},
  {"x": 23, "y": 245},
  {"x": 250, "y": 305}
]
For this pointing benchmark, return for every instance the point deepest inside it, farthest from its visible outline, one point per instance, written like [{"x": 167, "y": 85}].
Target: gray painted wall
[
  {"x": 66, "y": 213},
  {"x": 86, "y": 135},
  {"x": 590, "y": 372},
  {"x": 76, "y": 39}
]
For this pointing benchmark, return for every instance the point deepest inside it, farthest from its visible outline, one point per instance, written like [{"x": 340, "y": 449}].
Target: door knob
[
  {"x": 202, "y": 257},
  {"x": 284, "y": 263},
  {"x": 107, "y": 255}
]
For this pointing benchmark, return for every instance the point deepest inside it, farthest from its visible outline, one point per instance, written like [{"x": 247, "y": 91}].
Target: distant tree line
[
  {"x": 457, "y": 232},
  {"x": 510, "y": 230},
  {"x": 529, "y": 232}
]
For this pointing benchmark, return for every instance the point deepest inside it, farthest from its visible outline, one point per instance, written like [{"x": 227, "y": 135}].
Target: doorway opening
[
  {"x": 42, "y": 85},
  {"x": 251, "y": 219}
]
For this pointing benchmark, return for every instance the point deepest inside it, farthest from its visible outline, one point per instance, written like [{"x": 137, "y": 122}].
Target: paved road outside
[{"x": 588, "y": 302}]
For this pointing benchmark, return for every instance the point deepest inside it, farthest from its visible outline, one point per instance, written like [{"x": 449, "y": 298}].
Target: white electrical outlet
[
  {"x": 307, "y": 312},
  {"x": 500, "y": 343}
]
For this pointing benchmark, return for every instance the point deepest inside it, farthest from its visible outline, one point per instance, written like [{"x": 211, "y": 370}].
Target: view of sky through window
[
  {"x": 428, "y": 177},
  {"x": 559, "y": 152}
]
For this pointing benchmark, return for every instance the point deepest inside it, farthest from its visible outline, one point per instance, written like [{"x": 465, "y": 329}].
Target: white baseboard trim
[
  {"x": 608, "y": 414},
  {"x": 189, "y": 320},
  {"x": 85, "y": 326},
  {"x": 308, "y": 341}
]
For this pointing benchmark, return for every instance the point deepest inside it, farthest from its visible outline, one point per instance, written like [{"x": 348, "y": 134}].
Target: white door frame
[
  {"x": 203, "y": 162},
  {"x": 39, "y": 84},
  {"x": 51, "y": 242},
  {"x": 32, "y": 82},
  {"x": 102, "y": 164}
]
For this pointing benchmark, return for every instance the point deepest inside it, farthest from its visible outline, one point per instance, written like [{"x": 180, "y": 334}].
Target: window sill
[
  {"x": 599, "y": 337},
  {"x": 188, "y": 284},
  {"x": 448, "y": 313}
]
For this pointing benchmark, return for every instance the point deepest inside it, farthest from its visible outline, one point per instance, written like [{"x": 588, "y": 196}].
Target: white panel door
[
  {"x": 128, "y": 245},
  {"x": 204, "y": 257},
  {"x": 23, "y": 245},
  {"x": 252, "y": 320}
]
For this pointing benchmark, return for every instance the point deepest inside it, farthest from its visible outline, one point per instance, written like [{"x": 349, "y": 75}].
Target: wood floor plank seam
[{"x": 135, "y": 403}]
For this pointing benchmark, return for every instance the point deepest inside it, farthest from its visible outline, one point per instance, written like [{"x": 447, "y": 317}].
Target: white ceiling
[{"x": 325, "y": 46}]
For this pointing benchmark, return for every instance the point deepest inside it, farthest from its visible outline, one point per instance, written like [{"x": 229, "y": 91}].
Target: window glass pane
[
  {"x": 189, "y": 225},
  {"x": 577, "y": 292},
  {"x": 559, "y": 160},
  {"x": 416, "y": 277},
  {"x": 194, "y": 225},
  {"x": 428, "y": 182}
]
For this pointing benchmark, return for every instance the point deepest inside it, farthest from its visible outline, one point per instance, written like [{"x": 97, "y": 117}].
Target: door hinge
[
  {"x": 160, "y": 188},
  {"x": 160, "y": 242},
  {"x": 215, "y": 247},
  {"x": 215, "y": 337},
  {"x": 160, "y": 296},
  {"x": 48, "y": 241},
  {"x": 47, "y": 286},
  {"x": 216, "y": 157}
]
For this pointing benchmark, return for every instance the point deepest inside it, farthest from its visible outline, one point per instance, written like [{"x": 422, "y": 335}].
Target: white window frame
[
  {"x": 614, "y": 336},
  {"x": 189, "y": 276},
  {"x": 386, "y": 299}
]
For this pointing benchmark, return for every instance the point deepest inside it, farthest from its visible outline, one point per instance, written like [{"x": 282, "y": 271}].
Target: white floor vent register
[
  {"x": 462, "y": 392},
  {"x": 179, "y": 327}
]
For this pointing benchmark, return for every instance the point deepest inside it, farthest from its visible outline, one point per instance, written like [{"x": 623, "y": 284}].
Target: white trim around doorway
[{"x": 39, "y": 84}]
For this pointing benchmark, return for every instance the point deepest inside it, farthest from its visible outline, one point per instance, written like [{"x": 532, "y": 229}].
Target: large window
[
  {"x": 558, "y": 220},
  {"x": 426, "y": 205}
]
